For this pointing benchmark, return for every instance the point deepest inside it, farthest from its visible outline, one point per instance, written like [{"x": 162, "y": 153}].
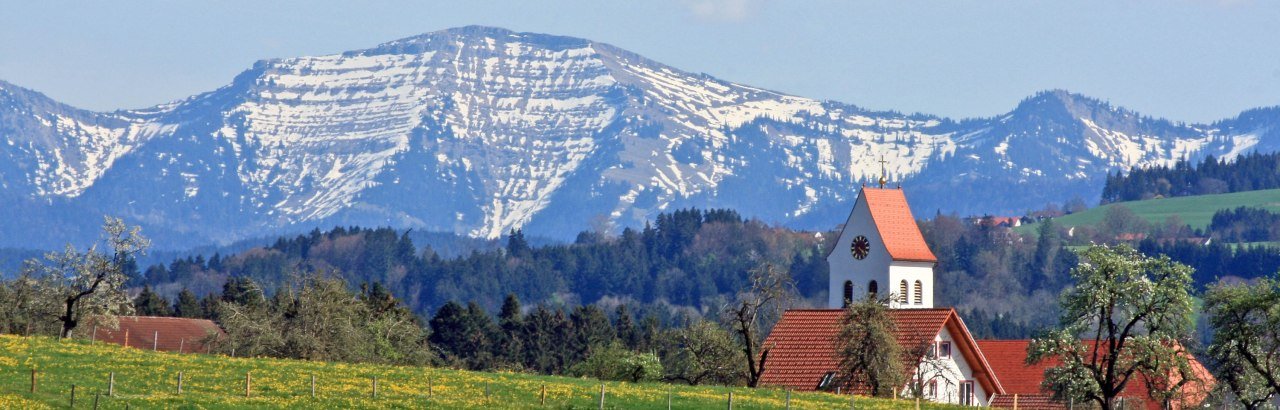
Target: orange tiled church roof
[{"x": 897, "y": 226}]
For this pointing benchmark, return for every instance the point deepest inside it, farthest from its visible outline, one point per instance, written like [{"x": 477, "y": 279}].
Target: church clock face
[{"x": 860, "y": 247}]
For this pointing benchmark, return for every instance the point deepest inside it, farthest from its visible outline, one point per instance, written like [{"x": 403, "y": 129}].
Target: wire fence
[{"x": 112, "y": 390}]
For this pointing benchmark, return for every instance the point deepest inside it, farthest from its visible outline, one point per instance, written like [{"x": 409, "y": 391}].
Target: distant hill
[
  {"x": 481, "y": 130},
  {"x": 1255, "y": 171},
  {"x": 1196, "y": 211}
]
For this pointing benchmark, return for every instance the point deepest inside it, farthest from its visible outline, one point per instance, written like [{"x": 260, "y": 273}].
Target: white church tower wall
[{"x": 881, "y": 247}]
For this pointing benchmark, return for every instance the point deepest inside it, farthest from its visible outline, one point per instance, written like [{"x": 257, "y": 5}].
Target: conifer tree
[
  {"x": 149, "y": 303},
  {"x": 187, "y": 305}
]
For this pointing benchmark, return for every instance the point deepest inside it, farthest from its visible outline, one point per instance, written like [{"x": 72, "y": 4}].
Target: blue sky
[{"x": 1192, "y": 60}]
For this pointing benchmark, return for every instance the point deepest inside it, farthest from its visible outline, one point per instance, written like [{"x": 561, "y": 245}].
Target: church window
[
  {"x": 848, "y": 292},
  {"x": 902, "y": 292},
  {"x": 873, "y": 288},
  {"x": 919, "y": 293}
]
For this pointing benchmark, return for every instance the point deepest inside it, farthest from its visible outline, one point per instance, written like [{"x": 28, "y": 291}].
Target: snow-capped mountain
[{"x": 481, "y": 130}]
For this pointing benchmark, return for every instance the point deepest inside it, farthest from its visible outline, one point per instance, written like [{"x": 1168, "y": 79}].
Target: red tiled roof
[
  {"x": 897, "y": 226},
  {"x": 1008, "y": 360},
  {"x": 171, "y": 334},
  {"x": 802, "y": 344}
]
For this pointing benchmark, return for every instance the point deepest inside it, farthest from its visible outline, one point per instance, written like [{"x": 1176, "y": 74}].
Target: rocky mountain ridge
[{"x": 480, "y": 130}]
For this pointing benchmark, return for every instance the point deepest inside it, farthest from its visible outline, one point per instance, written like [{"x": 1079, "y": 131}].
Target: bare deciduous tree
[
  {"x": 705, "y": 353},
  {"x": 930, "y": 368},
  {"x": 755, "y": 311}
]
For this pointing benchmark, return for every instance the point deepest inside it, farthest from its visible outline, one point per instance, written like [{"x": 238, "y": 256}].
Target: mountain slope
[{"x": 481, "y": 130}]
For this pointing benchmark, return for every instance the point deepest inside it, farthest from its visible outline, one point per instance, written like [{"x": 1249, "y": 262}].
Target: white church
[{"x": 881, "y": 252}]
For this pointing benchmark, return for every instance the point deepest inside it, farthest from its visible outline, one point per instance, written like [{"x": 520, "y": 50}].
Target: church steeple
[{"x": 881, "y": 251}]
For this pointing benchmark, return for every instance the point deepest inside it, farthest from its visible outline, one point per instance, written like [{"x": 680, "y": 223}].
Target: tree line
[
  {"x": 688, "y": 258},
  {"x": 688, "y": 261},
  {"x": 1211, "y": 175}
]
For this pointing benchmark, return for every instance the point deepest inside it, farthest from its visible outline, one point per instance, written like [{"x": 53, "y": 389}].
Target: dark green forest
[
  {"x": 1211, "y": 176},
  {"x": 685, "y": 262}
]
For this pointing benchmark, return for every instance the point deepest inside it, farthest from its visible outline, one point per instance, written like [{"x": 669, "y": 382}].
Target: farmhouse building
[
  {"x": 880, "y": 251},
  {"x": 170, "y": 334},
  {"x": 1022, "y": 381}
]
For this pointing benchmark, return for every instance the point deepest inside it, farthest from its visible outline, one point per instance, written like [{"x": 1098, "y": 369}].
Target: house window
[
  {"x": 919, "y": 293},
  {"x": 966, "y": 393},
  {"x": 902, "y": 292},
  {"x": 944, "y": 350},
  {"x": 932, "y": 390},
  {"x": 873, "y": 288},
  {"x": 848, "y": 292}
]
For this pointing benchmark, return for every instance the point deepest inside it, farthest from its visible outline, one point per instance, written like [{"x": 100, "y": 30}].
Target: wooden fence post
[
  {"x": 96, "y": 396},
  {"x": 486, "y": 391},
  {"x": 155, "y": 340},
  {"x": 73, "y": 396},
  {"x": 93, "y": 337},
  {"x": 111, "y": 384},
  {"x": 33, "y": 380},
  {"x": 126, "y": 337},
  {"x": 668, "y": 399},
  {"x": 248, "y": 383},
  {"x": 731, "y": 400},
  {"x": 430, "y": 390},
  {"x": 788, "y": 402},
  {"x": 375, "y": 387},
  {"x": 179, "y": 382},
  {"x": 313, "y": 385},
  {"x": 601, "y": 396},
  {"x": 542, "y": 397},
  {"x": 182, "y": 345}
]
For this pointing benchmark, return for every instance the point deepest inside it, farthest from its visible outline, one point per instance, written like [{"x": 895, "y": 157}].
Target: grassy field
[
  {"x": 1196, "y": 211},
  {"x": 145, "y": 379}
]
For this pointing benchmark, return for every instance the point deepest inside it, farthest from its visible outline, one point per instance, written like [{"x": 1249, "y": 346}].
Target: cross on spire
[{"x": 884, "y": 179}]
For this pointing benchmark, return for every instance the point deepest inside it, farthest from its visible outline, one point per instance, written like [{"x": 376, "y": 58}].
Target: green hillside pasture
[
  {"x": 1196, "y": 211},
  {"x": 145, "y": 379}
]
